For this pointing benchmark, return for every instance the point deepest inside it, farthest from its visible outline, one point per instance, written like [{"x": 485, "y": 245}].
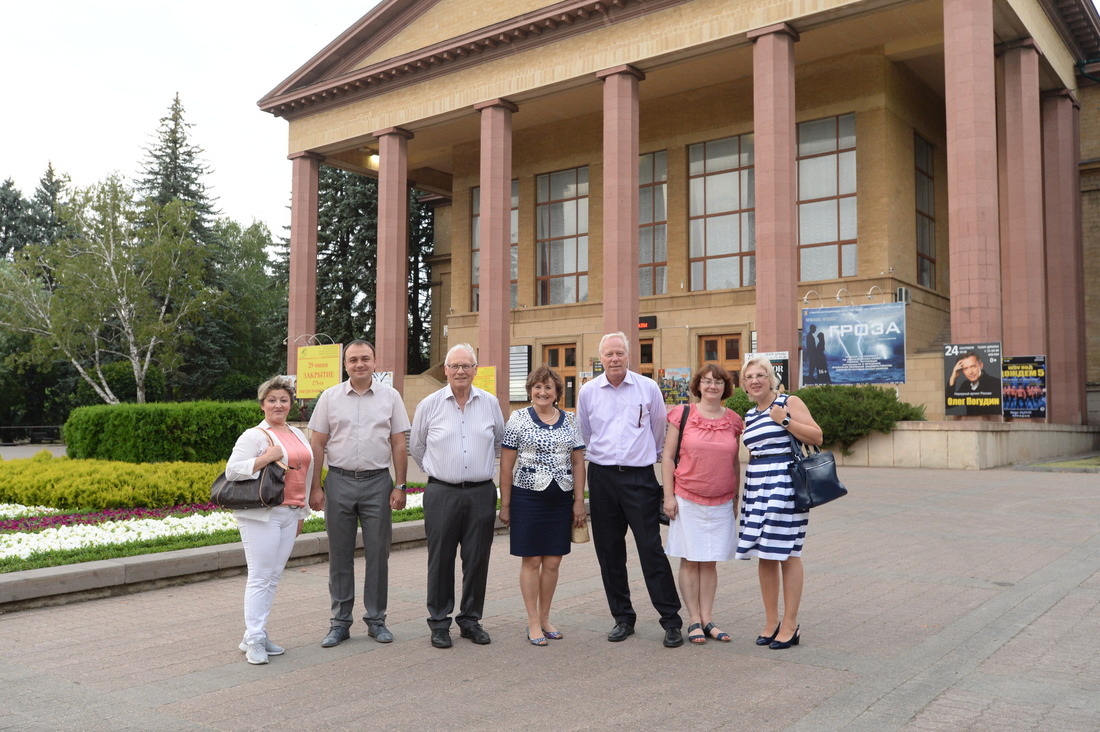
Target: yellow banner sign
[
  {"x": 318, "y": 369},
  {"x": 486, "y": 378}
]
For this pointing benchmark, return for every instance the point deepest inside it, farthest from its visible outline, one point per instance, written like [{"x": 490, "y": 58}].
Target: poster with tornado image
[{"x": 856, "y": 344}]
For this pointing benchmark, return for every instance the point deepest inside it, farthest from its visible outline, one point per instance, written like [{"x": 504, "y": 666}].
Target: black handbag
[
  {"x": 662, "y": 517},
  {"x": 265, "y": 491},
  {"x": 813, "y": 477}
]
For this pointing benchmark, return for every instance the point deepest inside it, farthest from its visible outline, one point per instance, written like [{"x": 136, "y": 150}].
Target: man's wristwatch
[{"x": 400, "y": 487}]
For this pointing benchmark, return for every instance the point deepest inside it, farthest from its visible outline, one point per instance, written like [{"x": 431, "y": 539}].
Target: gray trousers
[
  {"x": 349, "y": 503},
  {"x": 454, "y": 517}
]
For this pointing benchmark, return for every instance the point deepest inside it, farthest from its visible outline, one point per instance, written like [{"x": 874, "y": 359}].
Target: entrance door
[
  {"x": 645, "y": 358},
  {"x": 563, "y": 359},
  {"x": 724, "y": 350}
]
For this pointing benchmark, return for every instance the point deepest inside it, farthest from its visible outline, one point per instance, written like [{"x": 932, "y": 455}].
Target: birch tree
[{"x": 120, "y": 286}]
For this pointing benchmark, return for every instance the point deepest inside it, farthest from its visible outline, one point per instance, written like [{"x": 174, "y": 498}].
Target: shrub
[
  {"x": 846, "y": 414},
  {"x": 201, "y": 432},
  {"x": 97, "y": 484}
]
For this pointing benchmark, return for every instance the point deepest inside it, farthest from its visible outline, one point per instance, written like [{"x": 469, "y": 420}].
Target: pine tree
[
  {"x": 421, "y": 246},
  {"x": 347, "y": 252},
  {"x": 174, "y": 170},
  {"x": 16, "y": 220},
  {"x": 49, "y": 227}
]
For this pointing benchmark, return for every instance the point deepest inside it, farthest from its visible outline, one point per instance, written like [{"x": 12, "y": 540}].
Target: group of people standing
[{"x": 621, "y": 427}]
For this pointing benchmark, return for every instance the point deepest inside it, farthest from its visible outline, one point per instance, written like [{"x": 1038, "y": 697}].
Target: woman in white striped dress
[{"x": 771, "y": 530}]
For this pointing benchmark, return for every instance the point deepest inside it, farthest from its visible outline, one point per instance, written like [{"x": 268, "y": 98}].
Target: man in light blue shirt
[
  {"x": 455, "y": 439},
  {"x": 622, "y": 418}
]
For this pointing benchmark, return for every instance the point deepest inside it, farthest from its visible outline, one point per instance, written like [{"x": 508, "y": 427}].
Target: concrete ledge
[
  {"x": 970, "y": 445},
  {"x": 126, "y": 575}
]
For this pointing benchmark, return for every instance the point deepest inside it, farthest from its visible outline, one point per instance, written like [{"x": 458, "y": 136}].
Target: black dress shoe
[
  {"x": 379, "y": 632},
  {"x": 620, "y": 632},
  {"x": 441, "y": 638},
  {"x": 778, "y": 645},
  {"x": 337, "y": 634},
  {"x": 673, "y": 638},
  {"x": 476, "y": 633},
  {"x": 763, "y": 640}
]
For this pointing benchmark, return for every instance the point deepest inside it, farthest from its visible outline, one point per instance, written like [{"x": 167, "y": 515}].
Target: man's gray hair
[
  {"x": 461, "y": 347},
  {"x": 617, "y": 334}
]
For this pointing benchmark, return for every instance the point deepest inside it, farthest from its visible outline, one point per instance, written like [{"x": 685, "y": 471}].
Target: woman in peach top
[{"x": 701, "y": 495}]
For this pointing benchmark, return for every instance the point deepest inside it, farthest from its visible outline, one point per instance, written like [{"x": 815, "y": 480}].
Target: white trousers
[{"x": 267, "y": 546}]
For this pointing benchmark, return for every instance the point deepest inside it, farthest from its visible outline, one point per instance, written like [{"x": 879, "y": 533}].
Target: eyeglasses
[
  {"x": 462, "y": 366},
  {"x": 711, "y": 382},
  {"x": 754, "y": 377}
]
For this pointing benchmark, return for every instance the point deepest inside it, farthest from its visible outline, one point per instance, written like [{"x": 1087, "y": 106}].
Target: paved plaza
[{"x": 935, "y": 600}]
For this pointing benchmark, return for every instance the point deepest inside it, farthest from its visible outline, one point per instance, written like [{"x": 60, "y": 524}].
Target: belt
[
  {"x": 624, "y": 468},
  {"x": 358, "y": 474},
  {"x": 781, "y": 457},
  {"x": 463, "y": 484}
]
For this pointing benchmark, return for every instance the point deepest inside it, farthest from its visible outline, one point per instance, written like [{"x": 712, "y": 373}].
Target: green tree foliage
[
  {"x": 119, "y": 288},
  {"x": 421, "y": 246},
  {"x": 347, "y": 254},
  {"x": 16, "y": 225},
  {"x": 173, "y": 171},
  {"x": 48, "y": 223}
]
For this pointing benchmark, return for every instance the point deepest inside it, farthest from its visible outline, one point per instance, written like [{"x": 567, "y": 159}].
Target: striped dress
[{"x": 770, "y": 527}]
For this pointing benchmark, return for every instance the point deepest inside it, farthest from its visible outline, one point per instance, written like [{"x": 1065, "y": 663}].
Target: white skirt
[{"x": 702, "y": 533}]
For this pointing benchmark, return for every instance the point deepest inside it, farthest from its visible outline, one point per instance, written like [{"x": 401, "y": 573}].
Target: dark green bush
[
  {"x": 197, "y": 432},
  {"x": 846, "y": 414},
  {"x": 120, "y": 377},
  {"x": 235, "y": 387}
]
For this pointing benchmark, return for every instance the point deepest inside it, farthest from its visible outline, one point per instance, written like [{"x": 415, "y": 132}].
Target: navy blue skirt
[{"x": 542, "y": 521}]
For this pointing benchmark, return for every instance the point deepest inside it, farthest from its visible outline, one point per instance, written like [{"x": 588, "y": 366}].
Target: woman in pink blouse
[
  {"x": 268, "y": 533},
  {"x": 700, "y": 486}
]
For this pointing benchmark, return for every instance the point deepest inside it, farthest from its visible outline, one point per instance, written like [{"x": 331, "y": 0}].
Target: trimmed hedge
[
  {"x": 95, "y": 484},
  {"x": 846, "y": 414},
  {"x": 194, "y": 432}
]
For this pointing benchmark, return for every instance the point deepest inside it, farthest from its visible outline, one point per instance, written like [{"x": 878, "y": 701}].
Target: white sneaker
[
  {"x": 271, "y": 648},
  {"x": 255, "y": 653}
]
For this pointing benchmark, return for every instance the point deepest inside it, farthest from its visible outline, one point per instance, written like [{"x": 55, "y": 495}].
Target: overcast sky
[{"x": 86, "y": 83}]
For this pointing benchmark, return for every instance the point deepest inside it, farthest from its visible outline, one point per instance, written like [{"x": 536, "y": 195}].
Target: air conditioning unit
[{"x": 904, "y": 295}]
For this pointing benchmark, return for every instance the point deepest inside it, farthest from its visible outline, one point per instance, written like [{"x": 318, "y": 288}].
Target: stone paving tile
[{"x": 935, "y": 600}]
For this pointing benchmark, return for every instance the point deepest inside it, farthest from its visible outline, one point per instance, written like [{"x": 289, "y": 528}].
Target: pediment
[
  {"x": 373, "y": 31},
  {"x": 396, "y": 44}
]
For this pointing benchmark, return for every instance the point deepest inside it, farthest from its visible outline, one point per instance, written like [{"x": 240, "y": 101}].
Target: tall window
[
  {"x": 926, "y": 213},
  {"x": 652, "y": 224},
  {"x": 475, "y": 245},
  {"x": 561, "y": 236},
  {"x": 721, "y": 214},
  {"x": 827, "y": 198}
]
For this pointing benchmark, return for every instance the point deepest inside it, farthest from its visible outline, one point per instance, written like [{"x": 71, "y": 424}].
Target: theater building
[{"x": 696, "y": 172}]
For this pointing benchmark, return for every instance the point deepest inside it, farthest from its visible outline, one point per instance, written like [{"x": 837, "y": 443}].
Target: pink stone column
[
  {"x": 1023, "y": 297},
  {"x": 620, "y": 199},
  {"x": 973, "y": 216},
  {"x": 495, "y": 303},
  {"x": 1065, "y": 260},
  {"x": 777, "y": 316},
  {"x": 392, "y": 303},
  {"x": 302, "y": 291}
]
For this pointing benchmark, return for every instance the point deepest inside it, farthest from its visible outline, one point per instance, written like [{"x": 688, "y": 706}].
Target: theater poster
[
  {"x": 854, "y": 344},
  {"x": 1024, "y": 387},
  {"x": 972, "y": 378},
  {"x": 674, "y": 385}
]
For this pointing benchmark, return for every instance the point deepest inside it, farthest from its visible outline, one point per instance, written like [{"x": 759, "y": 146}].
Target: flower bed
[{"x": 36, "y": 533}]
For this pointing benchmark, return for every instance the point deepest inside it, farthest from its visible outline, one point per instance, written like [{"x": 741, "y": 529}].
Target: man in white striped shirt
[{"x": 455, "y": 439}]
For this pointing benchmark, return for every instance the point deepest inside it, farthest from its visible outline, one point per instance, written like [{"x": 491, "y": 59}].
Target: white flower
[{"x": 15, "y": 510}]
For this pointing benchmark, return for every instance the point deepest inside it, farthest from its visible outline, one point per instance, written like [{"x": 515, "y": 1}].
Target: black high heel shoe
[
  {"x": 777, "y": 645},
  {"x": 763, "y": 640}
]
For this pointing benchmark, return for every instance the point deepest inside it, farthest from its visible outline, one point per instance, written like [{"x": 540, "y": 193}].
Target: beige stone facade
[{"x": 422, "y": 66}]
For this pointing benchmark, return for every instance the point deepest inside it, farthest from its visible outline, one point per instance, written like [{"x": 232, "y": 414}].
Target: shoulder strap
[{"x": 680, "y": 435}]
